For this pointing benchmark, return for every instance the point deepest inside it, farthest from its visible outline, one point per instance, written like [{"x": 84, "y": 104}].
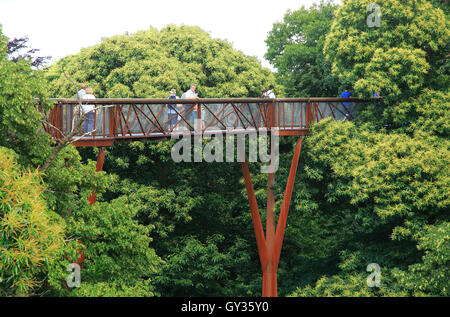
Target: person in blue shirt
[
  {"x": 376, "y": 94},
  {"x": 346, "y": 94}
]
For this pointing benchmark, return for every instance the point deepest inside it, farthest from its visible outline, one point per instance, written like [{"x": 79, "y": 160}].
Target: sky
[{"x": 60, "y": 27}]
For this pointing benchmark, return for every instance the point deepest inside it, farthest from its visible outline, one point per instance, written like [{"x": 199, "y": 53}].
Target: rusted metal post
[
  {"x": 199, "y": 118},
  {"x": 308, "y": 112},
  {"x": 100, "y": 159},
  {"x": 270, "y": 274},
  {"x": 269, "y": 248},
  {"x": 282, "y": 219},
  {"x": 256, "y": 218}
]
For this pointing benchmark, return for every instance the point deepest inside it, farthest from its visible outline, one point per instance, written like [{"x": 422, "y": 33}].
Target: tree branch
[{"x": 67, "y": 139}]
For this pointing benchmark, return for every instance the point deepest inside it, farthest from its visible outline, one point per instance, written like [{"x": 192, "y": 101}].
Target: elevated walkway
[{"x": 125, "y": 120}]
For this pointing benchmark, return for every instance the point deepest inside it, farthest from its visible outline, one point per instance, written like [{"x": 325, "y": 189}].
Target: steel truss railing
[{"x": 141, "y": 119}]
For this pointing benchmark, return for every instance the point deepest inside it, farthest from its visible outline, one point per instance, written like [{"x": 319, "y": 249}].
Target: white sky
[{"x": 60, "y": 28}]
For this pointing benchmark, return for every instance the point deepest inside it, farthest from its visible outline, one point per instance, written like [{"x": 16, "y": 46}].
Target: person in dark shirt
[{"x": 171, "y": 113}]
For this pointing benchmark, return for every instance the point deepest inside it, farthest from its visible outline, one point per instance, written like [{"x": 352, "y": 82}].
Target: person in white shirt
[
  {"x": 88, "y": 111},
  {"x": 270, "y": 93},
  {"x": 191, "y": 94},
  {"x": 81, "y": 92}
]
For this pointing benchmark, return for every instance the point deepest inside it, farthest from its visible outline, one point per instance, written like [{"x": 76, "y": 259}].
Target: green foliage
[
  {"x": 295, "y": 49},
  {"x": 197, "y": 216},
  {"x": 432, "y": 110},
  {"x": 69, "y": 181},
  {"x": 374, "y": 198},
  {"x": 431, "y": 276},
  {"x": 20, "y": 118},
  {"x": 370, "y": 191},
  {"x": 202, "y": 269},
  {"x": 151, "y": 63},
  {"x": 31, "y": 236},
  {"x": 400, "y": 58},
  {"x": 367, "y": 192},
  {"x": 118, "y": 257},
  {"x": 117, "y": 249}
]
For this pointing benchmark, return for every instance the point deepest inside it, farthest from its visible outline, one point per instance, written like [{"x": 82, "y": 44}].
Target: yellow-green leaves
[
  {"x": 394, "y": 58},
  {"x": 30, "y": 235},
  {"x": 150, "y": 63}
]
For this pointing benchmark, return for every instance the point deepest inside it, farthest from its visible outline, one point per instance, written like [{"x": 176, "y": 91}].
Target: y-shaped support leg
[{"x": 269, "y": 248}]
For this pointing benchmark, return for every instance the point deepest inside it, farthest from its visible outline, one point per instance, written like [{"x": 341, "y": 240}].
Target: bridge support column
[
  {"x": 100, "y": 159},
  {"x": 269, "y": 248}
]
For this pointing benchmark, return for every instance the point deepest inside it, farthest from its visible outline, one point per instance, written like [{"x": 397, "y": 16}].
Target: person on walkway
[
  {"x": 270, "y": 93},
  {"x": 191, "y": 94},
  {"x": 81, "y": 92},
  {"x": 263, "y": 94},
  {"x": 347, "y": 105},
  {"x": 88, "y": 111},
  {"x": 171, "y": 112}
]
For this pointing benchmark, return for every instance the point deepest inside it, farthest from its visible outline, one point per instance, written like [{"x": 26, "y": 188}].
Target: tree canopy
[
  {"x": 368, "y": 190},
  {"x": 401, "y": 58},
  {"x": 150, "y": 63},
  {"x": 294, "y": 48},
  {"x": 31, "y": 235},
  {"x": 20, "y": 118}
]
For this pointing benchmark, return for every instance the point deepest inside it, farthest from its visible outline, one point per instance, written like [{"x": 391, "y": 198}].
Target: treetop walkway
[
  {"x": 122, "y": 120},
  {"x": 119, "y": 120}
]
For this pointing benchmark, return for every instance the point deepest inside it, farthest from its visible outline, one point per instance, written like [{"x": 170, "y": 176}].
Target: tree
[
  {"x": 31, "y": 235},
  {"x": 198, "y": 218},
  {"x": 117, "y": 251},
  {"x": 377, "y": 196},
  {"x": 432, "y": 274},
  {"x": 15, "y": 52},
  {"x": 181, "y": 213},
  {"x": 151, "y": 63},
  {"x": 20, "y": 116},
  {"x": 295, "y": 49},
  {"x": 33, "y": 247},
  {"x": 370, "y": 197},
  {"x": 403, "y": 56}
]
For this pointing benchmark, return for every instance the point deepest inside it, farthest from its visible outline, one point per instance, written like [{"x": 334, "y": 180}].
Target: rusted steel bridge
[
  {"x": 126, "y": 120},
  {"x": 119, "y": 120}
]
